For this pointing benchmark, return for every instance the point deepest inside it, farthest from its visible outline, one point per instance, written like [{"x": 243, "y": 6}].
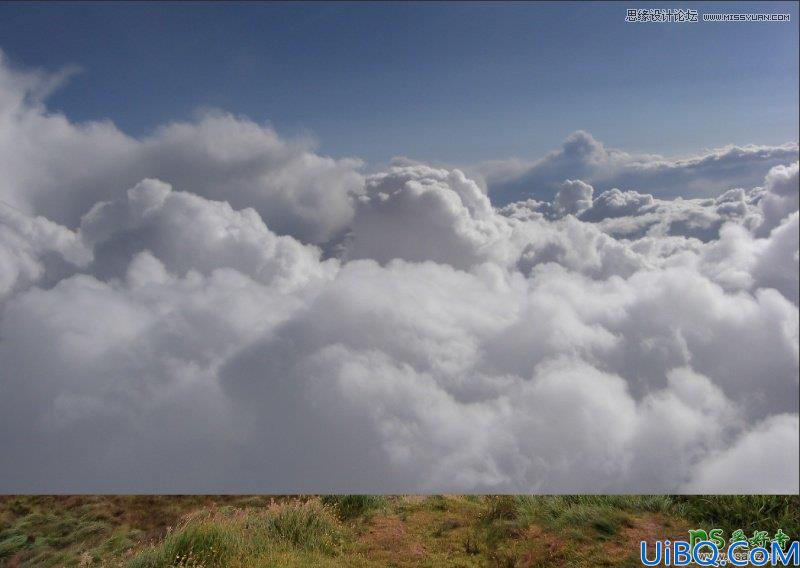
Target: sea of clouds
[{"x": 214, "y": 308}]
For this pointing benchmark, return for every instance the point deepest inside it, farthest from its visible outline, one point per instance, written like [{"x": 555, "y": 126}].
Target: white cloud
[
  {"x": 188, "y": 232},
  {"x": 581, "y": 156},
  {"x": 59, "y": 169},
  {"x": 32, "y": 249},
  {"x": 419, "y": 213},
  {"x": 573, "y": 197},
  {"x": 780, "y": 196},
  {"x": 214, "y": 309},
  {"x": 761, "y": 461}
]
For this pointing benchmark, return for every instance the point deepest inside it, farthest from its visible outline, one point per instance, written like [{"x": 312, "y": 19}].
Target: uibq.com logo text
[{"x": 711, "y": 548}]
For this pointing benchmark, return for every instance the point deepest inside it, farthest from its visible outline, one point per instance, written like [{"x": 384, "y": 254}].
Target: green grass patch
[
  {"x": 746, "y": 512},
  {"x": 200, "y": 542},
  {"x": 352, "y": 506},
  {"x": 246, "y": 536},
  {"x": 11, "y": 545}
]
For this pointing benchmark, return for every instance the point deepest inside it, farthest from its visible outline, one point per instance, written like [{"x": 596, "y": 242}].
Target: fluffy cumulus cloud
[
  {"x": 59, "y": 169},
  {"x": 34, "y": 249},
  {"x": 212, "y": 308},
  {"x": 701, "y": 175},
  {"x": 419, "y": 213}
]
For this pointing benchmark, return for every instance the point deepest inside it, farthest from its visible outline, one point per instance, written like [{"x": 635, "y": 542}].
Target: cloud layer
[
  {"x": 212, "y": 308},
  {"x": 702, "y": 175},
  {"x": 59, "y": 169}
]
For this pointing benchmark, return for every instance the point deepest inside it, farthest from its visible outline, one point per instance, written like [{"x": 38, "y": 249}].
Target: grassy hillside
[{"x": 367, "y": 531}]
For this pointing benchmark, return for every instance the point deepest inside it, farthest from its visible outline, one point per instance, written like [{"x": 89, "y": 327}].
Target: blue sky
[{"x": 448, "y": 81}]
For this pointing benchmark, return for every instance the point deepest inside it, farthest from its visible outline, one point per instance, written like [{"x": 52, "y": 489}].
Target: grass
[
  {"x": 62, "y": 530},
  {"x": 747, "y": 512},
  {"x": 352, "y": 506},
  {"x": 246, "y": 536},
  {"x": 605, "y": 514},
  {"x": 365, "y": 531}
]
